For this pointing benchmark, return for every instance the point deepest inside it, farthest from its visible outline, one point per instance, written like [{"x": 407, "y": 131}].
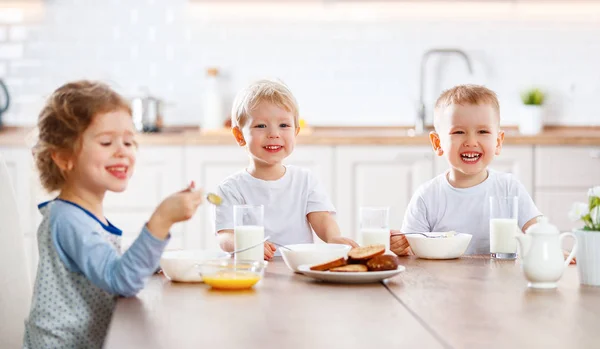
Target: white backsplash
[{"x": 345, "y": 67}]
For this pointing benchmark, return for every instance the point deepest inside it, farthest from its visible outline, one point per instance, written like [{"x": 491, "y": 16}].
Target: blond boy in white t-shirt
[
  {"x": 467, "y": 132},
  {"x": 264, "y": 121}
]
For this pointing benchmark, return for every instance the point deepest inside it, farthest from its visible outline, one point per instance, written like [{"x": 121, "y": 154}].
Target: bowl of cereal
[{"x": 439, "y": 245}]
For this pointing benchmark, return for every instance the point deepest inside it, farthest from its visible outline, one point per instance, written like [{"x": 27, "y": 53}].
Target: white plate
[{"x": 350, "y": 277}]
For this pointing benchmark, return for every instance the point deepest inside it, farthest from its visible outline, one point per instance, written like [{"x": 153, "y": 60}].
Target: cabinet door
[
  {"x": 19, "y": 162},
  {"x": 378, "y": 176},
  {"x": 210, "y": 165},
  {"x": 517, "y": 160},
  {"x": 158, "y": 174},
  {"x": 563, "y": 175}
]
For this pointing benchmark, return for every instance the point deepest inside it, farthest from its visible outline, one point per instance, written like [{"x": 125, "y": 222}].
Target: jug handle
[{"x": 573, "y": 251}]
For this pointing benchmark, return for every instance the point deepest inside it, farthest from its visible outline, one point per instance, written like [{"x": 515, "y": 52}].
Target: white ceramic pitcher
[{"x": 542, "y": 255}]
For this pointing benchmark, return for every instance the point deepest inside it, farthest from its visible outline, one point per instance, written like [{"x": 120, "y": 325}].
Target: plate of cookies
[{"x": 365, "y": 264}]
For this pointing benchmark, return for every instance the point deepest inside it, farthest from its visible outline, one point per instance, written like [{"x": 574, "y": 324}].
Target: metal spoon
[
  {"x": 248, "y": 248},
  {"x": 280, "y": 245},
  {"x": 214, "y": 199},
  {"x": 425, "y": 235}
]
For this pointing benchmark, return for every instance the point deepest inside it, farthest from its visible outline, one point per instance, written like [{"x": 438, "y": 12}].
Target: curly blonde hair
[
  {"x": 270, "y": 91},
  {"x": 68, "y": 112}
]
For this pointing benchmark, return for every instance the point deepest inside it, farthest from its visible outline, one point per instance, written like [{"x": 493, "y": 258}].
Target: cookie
[
  {"x": 351, "y": 268},
  {"x": 328, "y": 265},
  {"x": 366, "y": 252},
  {"x": 383, "y": 262}
]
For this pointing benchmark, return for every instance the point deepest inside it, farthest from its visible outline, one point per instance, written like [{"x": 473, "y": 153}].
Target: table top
[{"x": 471, "y": 302}]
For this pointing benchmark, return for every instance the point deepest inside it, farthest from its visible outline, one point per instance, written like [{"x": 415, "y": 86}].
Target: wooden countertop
[
  {"x": 471, "y": 302},
  {"x": 552, "y": 135}
]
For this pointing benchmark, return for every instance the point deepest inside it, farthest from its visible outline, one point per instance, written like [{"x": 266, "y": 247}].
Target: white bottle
[{"x": 213, "y": 117}]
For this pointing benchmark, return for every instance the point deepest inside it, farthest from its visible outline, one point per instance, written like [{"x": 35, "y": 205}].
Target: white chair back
[{"x": 15, "y": 284}]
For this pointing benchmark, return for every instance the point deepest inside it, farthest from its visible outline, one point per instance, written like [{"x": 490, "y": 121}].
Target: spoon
[
  {"x": 247, "y": 248},
  {"x": 445, "y": 235},
  {"x": 214, "y": 199},
  {"x": 280, "y": 245}
]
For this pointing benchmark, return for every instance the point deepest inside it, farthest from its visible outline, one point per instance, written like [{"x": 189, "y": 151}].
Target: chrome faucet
[{"x": 421, "y": 112}]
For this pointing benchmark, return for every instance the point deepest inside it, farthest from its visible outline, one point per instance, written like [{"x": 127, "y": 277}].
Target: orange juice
[{"x": 232, "y": 280}]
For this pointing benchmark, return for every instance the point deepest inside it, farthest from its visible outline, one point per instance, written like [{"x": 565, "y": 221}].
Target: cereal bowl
[
  {"x": 180, "y": 265},
  {"x": 443, "y": 246},
  {"x": 311, "y": 254}
]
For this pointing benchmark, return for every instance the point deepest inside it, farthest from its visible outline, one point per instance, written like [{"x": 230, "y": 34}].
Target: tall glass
[
  {"x": 375, "y": 226},
  {"x": 249, "y": 230},
  {"x": 504, "y": 227}
]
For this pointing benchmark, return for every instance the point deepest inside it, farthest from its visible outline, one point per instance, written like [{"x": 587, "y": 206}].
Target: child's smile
[
  {"x": 118, "y": 171},
  {"x": 470, "y": 157}
]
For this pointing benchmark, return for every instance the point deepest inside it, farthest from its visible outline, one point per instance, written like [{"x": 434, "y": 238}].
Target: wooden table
[
  {"x": 464, "y": 303},
  {"x": 479, "y": 302}
]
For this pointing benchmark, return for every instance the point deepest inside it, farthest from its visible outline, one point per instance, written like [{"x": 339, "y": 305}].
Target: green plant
[
  {"x": 533, "y": 96},
  {"x": 589, "y": 212}
]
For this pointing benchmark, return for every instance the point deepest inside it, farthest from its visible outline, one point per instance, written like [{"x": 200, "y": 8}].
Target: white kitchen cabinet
[
  {"x": 517, "y": 160},
  {"x": 159, "y": 172},
  {"x": 210, "y": 165},
  {"x": 563, "y": 175},
  {"x": 19, "y": 162},
  {"x": 378, "y": 176}
]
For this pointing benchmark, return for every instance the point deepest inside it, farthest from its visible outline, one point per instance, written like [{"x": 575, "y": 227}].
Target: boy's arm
[
  {"x": 528, "y": 211},
  {"x": 225, "y": 239},
  {"x": 415, "y": 221},
  {"x": 226, "y": 242},
  {"x": 327, "y": 228}
]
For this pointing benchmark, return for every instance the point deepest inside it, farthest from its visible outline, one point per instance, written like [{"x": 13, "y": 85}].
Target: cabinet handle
[{"x": 595, "y": 154}]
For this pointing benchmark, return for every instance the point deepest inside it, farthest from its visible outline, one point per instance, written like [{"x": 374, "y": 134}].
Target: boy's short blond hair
[
  {"x": 270, "y": 91},
  {"x": 466, "y": 94}
]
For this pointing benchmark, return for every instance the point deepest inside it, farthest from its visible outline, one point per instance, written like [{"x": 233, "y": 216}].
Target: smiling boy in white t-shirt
[
  {"x": 265, "y": 122},
  {"x": 467, "y": 132}
]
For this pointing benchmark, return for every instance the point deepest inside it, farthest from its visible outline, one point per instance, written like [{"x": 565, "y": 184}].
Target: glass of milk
[
  {"x": 375, "y": 226},
  {"x": 248, "y": 230},
  {"x": 504, "y": 226}
]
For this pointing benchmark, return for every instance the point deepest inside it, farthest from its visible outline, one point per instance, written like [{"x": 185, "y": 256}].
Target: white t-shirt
[
  {"x": 287, "y": 201},
  {"x": 440, "y": 207}
]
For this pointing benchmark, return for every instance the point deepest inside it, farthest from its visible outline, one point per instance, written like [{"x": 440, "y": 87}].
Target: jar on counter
[{"x": 213, "y": 117}]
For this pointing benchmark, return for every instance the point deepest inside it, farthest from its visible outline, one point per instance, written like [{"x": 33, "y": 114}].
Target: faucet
[{"x": 421, "y": 112}]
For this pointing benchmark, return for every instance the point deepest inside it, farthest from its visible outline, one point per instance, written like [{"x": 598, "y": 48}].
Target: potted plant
[
  {"x": 531, "y": 119},
  {"x": 588, "y": 238}
]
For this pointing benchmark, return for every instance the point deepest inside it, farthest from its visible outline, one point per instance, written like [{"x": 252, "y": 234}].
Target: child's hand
[
  {"x": 342, "y": 240},
  {"x": 269, "y": 251},
  {"x": 399, "y": 244},
  {"x": 566, "y": 254},
  {"x": 178, "y": 207}
]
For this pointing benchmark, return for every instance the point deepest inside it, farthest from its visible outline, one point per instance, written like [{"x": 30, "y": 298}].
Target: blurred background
[{"x": 347, "y": 62}]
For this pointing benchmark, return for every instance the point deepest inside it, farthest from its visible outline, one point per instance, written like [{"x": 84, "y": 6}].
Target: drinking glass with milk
[
  {"x": 375, "y": 226},
  {"x": 248, "y": 230},
  {"x": 504, "y": 227}
]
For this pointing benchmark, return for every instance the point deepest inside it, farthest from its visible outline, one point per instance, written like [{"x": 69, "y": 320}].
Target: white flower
[
  {"x": 595, "y": 191},
  {"x": 595, "y": 215},
  {"x": 578, "y": 210}
]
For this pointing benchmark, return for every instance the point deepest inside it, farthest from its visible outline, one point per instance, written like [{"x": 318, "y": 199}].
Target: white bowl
[
  {"x": 180, "y": 265},
  {"x": 312, "y": 254},
  {"x": 439, "y": 248}
]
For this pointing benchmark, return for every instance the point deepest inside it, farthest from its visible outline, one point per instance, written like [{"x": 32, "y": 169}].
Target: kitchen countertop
[
  {"x": 552, "y": 135},
  {"x": 470, "y": 302}
]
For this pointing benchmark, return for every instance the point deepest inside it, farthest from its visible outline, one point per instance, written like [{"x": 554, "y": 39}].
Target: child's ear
[
  {"x": 499, "y": 142},
  {"x": 62, "y": 159},
  {"x": 297, "y": 130},
  {"x": 239, "y": 136},
  {"x": 434, "y": 138}
]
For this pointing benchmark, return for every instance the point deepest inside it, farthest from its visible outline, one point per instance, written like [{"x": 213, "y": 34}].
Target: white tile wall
[{"x": 346, "y": 66}]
